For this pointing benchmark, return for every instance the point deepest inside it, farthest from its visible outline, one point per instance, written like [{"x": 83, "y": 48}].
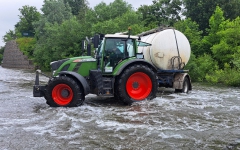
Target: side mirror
[
  {"x": 89, "y": 50},
  {"x": 101, "y": 36},
  {"x": 96, "y": 41}
]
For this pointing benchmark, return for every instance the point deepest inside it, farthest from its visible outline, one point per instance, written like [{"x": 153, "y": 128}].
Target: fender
[
  {"x": 135, "y": 61},
  {"x": 178, "y": 80},
  {"x": 80, "y": 79}
]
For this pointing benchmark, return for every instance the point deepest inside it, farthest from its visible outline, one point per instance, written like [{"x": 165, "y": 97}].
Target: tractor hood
[{"x": 74, "y": 64}]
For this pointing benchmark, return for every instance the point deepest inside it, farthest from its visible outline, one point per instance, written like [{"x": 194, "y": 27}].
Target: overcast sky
[{"x": 9, "y": 11}]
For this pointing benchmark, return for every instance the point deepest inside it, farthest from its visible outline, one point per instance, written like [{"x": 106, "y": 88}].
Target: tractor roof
[{"x": 120, "y": 36}]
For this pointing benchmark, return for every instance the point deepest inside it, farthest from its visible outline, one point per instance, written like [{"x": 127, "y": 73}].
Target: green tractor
[{"x": 117, "y": 70}]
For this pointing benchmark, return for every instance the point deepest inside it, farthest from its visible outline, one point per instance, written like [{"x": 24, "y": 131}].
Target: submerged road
[{"x": 206, "y": 118}]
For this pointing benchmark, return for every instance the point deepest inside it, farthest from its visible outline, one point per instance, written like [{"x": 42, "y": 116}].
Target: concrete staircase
[{"x": 14, "y": 58}]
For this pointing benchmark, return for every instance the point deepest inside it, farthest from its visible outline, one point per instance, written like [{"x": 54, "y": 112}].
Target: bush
[
  {"x": 1, "y": 54},
  {"x": 201, "y": 66},
  {"x": 27, "y": 45},
  {"x": 228, "y": 76}
]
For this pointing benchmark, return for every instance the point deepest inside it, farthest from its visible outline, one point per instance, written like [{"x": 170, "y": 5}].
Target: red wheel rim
[
  {"x": 139, "y": 86},
  {"x": 62, "y": 94}
]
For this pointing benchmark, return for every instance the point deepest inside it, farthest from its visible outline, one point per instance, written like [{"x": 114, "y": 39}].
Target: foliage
[
  {"x": 62, "y": 41},
  {"x": 27, "y": 45},
  {"x": 201, "y": 11},
  {"x": 1, "y": 54},
  {"x": 191, "y": 31},
  {"x": 120, "y": 24},
  {"x": 222, "y": 52},
  {"x": 230, "y": 8},
  {"x": 228, "y": 49},
  {"x": 10, "y": 35},
  {"x": 103, "y": 12},
  {"x": 161, "y": 12},
  {"x": 228, "y": 76},
  {"x": 49, "y": 34},
  {"x": 77, "y": 6},
  {"x": 200, "y": 66},
  {"x": 54, "y": 11},
  {"x": 216, "y": 24},
  {"x": 28, "y": 15}
]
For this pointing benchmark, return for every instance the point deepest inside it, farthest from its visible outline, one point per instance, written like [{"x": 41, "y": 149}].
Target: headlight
[{"x": 53, "y": 72}]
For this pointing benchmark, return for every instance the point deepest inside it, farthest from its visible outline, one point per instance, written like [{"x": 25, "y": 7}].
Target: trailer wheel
[
  {"x": 64, "y": 91},
  {"x": 136, "y": 83},
  {"x": 186, "y": 86}
]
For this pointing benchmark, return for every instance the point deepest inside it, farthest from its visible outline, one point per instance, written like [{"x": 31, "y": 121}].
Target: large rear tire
[
  {"x": 136, "y": 83},
  {"x": 64, "y": 91}
]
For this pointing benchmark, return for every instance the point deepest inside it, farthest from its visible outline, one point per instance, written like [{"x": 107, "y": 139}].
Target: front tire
[
  {"x": 136, "y": 83},
  {"x": 64, "y": 91}
]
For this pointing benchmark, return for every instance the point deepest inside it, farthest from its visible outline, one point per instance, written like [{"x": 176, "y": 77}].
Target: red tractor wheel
[
  {"x": 62, "y": 94},
  {"x": 139, "y": 86},
  {"x": 136, "y": 83},
  {"x": 65, "y": 92}
]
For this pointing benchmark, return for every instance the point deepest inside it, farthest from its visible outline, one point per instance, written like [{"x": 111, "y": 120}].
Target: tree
[
  {"x": 56, "y": 11},
  {"x": 10, "y": 35},
  {"x": 191, "y": 30},
  {"x": 28, "y": 15},
  {"x": 161, "y": 12},
  {"x": 200, "y": 11},
  {"x": 120, "y": 24},
  {"x": 76, "y": 5},
  {"x": 230, "y": 8},
  {"x": 201, "y": 66},
  {"x": 1, "y": 54},
  {"x": 61, "y": 41},
  {"x": 148, "y": 18},
  {"x": 228, "y": 49},
  {"x": 215, "y": 25},
  {"x": 103, "y": 18},
  {"x": 104, "y": 12}
]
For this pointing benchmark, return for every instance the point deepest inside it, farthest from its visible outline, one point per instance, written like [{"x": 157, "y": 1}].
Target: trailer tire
[
  {"x": 186, "y": 86},
  {"x": 64, "y": 91},
  {"x": 136, "y": 83}
]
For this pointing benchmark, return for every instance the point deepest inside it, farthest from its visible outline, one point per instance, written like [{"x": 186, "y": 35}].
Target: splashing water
[{"x": 206, "y": 118}]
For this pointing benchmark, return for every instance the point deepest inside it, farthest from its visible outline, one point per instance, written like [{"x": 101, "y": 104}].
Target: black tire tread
[
  {"x": 120, "y": 84},
  {"x": 78, "y": 94}
]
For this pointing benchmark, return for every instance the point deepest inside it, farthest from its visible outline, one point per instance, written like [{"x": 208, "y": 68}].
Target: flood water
[{"x": 206, "y": 118}]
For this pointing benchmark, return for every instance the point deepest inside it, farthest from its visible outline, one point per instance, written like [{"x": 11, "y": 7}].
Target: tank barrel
[{"x": 169, "y": 50}]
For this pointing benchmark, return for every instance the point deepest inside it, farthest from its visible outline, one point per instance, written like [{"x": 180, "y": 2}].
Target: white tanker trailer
[{"x": 169, "y": 51}]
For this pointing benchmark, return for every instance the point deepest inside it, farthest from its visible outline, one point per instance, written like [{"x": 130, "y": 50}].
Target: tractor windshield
[{"x": 115, "y": 50}]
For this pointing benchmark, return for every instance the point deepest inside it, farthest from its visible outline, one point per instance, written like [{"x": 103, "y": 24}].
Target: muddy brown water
[{"x": 206, "y": 118}]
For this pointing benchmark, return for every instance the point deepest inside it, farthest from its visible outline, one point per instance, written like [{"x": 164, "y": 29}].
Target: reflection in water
[{"x": 206, "y": 118}]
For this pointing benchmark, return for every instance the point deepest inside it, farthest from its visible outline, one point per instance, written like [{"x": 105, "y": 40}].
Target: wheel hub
[
  {"x": 65, "y": 93},
  {"x": 135, "y": 85},
  {"x": 139, "y": 86}
]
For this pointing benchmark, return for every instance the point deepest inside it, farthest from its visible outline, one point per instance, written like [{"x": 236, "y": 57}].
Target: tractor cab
[{"x": 115, "y": 48}]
